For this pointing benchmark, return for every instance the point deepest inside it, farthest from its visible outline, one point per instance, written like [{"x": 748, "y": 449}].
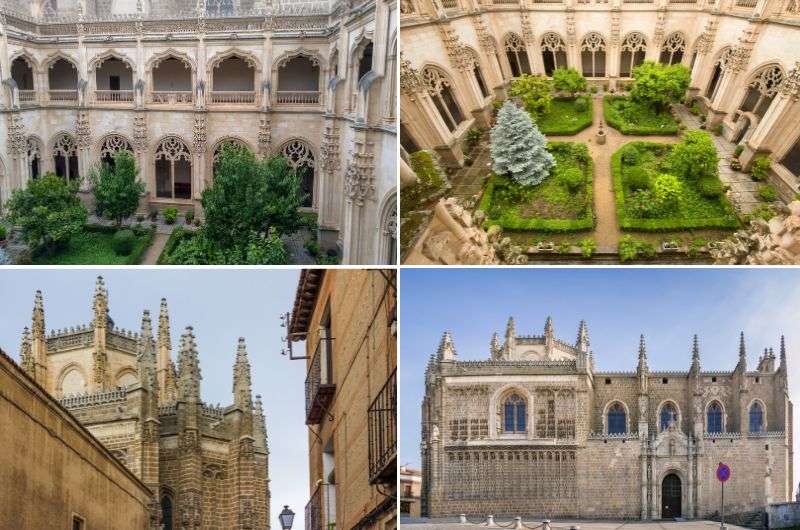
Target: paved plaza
[{"x": 453, "y": 524}]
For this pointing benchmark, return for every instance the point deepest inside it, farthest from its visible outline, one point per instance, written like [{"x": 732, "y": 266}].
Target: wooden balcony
[
  {"x": 171, "y": 97},
  {"x": 233, "y": 97},
  {"x": 63, "y": 95},
  {"x": 114, "y": 96},
  {"x": 298, "y": 97}
]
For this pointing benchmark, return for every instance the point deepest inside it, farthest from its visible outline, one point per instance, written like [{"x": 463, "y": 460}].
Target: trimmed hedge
[
  {"x": 514, "y": 222},
  {"x": 142, "y": 243},
  {"x": 615, "y": 119},
  {"x": 177, "y": 235},
  {"x": 669, "y": 224},
  {"x": 101, "y": 248}
]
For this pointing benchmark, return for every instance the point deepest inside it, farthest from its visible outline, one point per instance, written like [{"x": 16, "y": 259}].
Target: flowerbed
[
  {"x": 567, "y": 116},
  {"x": 630, "y": 117}
]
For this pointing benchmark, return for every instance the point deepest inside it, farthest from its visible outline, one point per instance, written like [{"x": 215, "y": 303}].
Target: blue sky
[
  {"x": 667, "y": 305},
  {"x": 221, "y": 306}
]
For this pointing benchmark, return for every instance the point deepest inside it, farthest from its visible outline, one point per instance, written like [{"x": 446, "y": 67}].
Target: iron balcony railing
[
  {"x": 321, "y": 508},
  {"x": 382, "y": 423},
  {"x": 319, "y": 383}
]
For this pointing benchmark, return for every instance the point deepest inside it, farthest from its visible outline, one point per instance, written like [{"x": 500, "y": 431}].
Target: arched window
[
  {"x": 633, "y": 49},
  {"x": 114, "y": 80},
  {"x": 389, "y": 233},
  {"x": 219, "y": 8},
  {"x": 72, "y": 382},
  {"x": 172, "y": 81},
  {"x": 34, "y": 157},
  {"x": 301, "y": 159},
  {"x": 111, "y": 144},
  {"x": 441, "y": 93},
  {"x": 716, "y": 75},
  {"x": 756, "y": 417},
  {"x": 476, "y": 71},
  {"x": 173, "y": 169},
  {"x": 593, "y": 55},
  {"x": 22, "y": 74},
  {"x": 714, "y": 418},
  {"x": 762, "y": 90},
  {"x": 126, "y": 378},
  {"x": 616, "y": 419},
  {"x": 668, "y": 416},
  {"x": 166, "y": 512},
  {"x": 554, "y": 52},
  {"x": 222, "y": 144},
  {"x": 672, "y": 49},
  {"x": 514, "y": 414},
  {"x": 298, "y": 81},
  {"x": 49, "y": 8},
  {"x": 517, "y": 55},
  {"x": 65, "y": 157},
  {"x": 791, "y": 160},
  {"x": 233, "y": 81},
  {"x": 365, "y": 61},
  {"x": 62, "y": 77}
]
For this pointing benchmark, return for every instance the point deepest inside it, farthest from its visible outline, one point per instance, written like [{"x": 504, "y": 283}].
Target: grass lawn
[
  {"x": 93, "y": 247},
  {"x": 549, "y": 206},
  {"x": 629, "y": 117},
  {"x": 694, "y": 211},
  {"x": 563, "y": 119}
]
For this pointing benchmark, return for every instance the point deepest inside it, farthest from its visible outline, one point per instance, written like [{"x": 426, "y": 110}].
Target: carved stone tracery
[{"x": 359, "y": 181}]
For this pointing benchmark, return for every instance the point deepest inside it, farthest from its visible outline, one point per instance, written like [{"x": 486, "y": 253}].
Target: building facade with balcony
[
  {"x": 174, "y": 81},
  {"x": 348, "y": 321},
  {"x": 410, "y": 490},
  {"x": 458, "y": 56},
  {"x": 536, "y": 430},
  {"x": 201, "y": 466}
]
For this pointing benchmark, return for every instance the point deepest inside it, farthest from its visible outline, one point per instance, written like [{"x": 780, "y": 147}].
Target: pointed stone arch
[
  {"x": 174, "y": 167},
  {"x": 554, "y": 51},
  {"x": 593, "y": 54},
  {"x": 125, "y": 377},
  {"x": 75, "y": 377},
  {"x": 387, "y": 229},
  {"x": 98, "y": 60},
  {"x": 677, "y": 418},
  {"x": 761, "y": 87},
  {"x": 607, "y": 409},
  {"x": 632, "y": 52},
  {"x": 64, "y": 154},
  {"x": 516, "y": 54},
  {"x": 302, "y": 158},
  {"x": 496, "y": 402},
  {"x": 170, "y": 53},
  {"x": 723, "y": 419},
  {"x": 54, "y": 57},
  {"x": 673, "y": 48},
  {"x": 442, "y": 91},
  {"x": 217, "y": 149},
  {"x": 110, "y": 143},
  {"x": 298, "y": 77}
]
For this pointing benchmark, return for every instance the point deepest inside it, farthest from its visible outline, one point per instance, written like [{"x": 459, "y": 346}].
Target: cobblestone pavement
[
  {"x": 743, "y": 188},
  {"x": 468, "y": 181},
  {"x": 584, "y": 525}
]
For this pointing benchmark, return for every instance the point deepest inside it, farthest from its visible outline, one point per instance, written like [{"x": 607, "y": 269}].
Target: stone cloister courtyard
[{"x": 554, "y": 221}]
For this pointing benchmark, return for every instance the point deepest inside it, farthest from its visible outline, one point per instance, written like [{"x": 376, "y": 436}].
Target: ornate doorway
[{"x": 671, "y": 497}]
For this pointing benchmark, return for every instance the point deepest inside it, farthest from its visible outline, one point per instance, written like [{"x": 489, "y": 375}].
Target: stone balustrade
[
  {"x": 70, "y": 95},
  {"x": 236, "y": 97},
  {"x": 298, "y": 97},
  {"x": 95, "y": 398},
  {"x": 114, "y": 96},
  {"x": 171, "y": 97},
  {"x": 27, "y": 96}
]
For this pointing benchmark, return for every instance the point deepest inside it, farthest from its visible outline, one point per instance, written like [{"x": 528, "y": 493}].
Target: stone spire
[
  {"x": 259, "y": 424},
  {"x": 188, "y": 369},
  {"x": 511, "y": 338},
  {"x": 100, "y": 325},
  {"x": 164, "y": 366},
  {"x": 38, "y": 342},
  {"x": 642, "y": 355},
  {"x": 37, "y": 321},
  {"x": 100, "y": 303},
  {"x": 146, "y": 354},
  {"x": 782, "y": 365},
  {"x": 494, "y": 346},
  {"x": 242, "y": 396},
  {"x": 742, "y": 364},
  {"x": 549, "y": 336},
  {"x": 695, "y": 355},
  {"x": 26, "y": 355},
  {"x": 447, "y": 349},
  {"x": 582, "y": 342}
]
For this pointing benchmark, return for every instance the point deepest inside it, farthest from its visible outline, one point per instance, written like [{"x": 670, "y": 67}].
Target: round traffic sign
[{"x": 723, "y": 472}]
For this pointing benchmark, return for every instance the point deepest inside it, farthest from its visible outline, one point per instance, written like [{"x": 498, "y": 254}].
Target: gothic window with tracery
[
  {"x": 554, "y": 52},
  {"x": 673, "y": 48},
  {"x": 756, "y": 417},
  {"x": 301, "y": 159},
  {"x": 34, "y": 158},
  {"x": 65, "y": 157},
  {"x": 219, "y": 8},
  {"x": 111, "y": 144},
  {"x": 166, "y": 512},
  {"x": 514, "y": 414},
  {"x": 762, "y": 90},
  {"x": 593, "y": 55},
  {"x": 546, "y": 414},
  {"x": 234, "y": 143},
  {"x": 714, "y": 418},
  {"x": 49, "y": 8},
  {"x": 668, "y": 416},
  {"x": 389, "y": 234},
  {"x": 616, "y": 419},
  {"x": 791, "y": 160},
  {"x": 440, "y": 90},
  {"x": 632, "y": 53},
  {"x": 173, "y": 169},
  {"x": 476, "y": 71},
  {"x": 517, "y": 55},
  {"x": 716, "y": 75}
]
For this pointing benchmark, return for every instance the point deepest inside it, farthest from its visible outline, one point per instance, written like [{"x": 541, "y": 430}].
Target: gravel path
[{"x": 151, "y": 256}]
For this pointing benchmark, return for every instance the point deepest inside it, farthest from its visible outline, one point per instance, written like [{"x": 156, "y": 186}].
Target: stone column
[
  {"x": 199, "y": 176},
  {"x": 330, "y": 204},
  {"x": 359, "y": 189},
  {"x": 265, "y": 90},
  {"x": 5, "y": 64},
  {"x": 140, "y": 150},
  {"x": 17, "y": 149}
]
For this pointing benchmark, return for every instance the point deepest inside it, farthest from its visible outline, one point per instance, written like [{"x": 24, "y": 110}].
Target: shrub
[
  {"x": 568, "y": 80},
  {"x": 564, "y": 247},
  {"x": 312, "y": 246},
  {"x": 630, "y": 155},
  {"x": 593, "y": 89},
  {"x": 3, "y": 233},
  {"x": 572, "y": 179},
  {"x": 189, "y": 216},
  {"x": 139, "y": 218},
  {"x": 518, "y": 148},
  {"x": 658, "y": 85},
  {"x": 631, "y": 249},
  {"x": 643, "y": 204},
  {"x": 117, "y": 189},
  {"x": 694, "y": 157},
  {"x": 709, "y": 188},
  {"x": 760, "y": 168},
  {"x": 667, "y": 192},
  {"x": 153, "y": 214},
  {"x": 580, "y": 105},
  {"x": 472, "y": 137},
  {"x": 588, "y": 247},
  {"x": 735, "y": 164},
  {"x": 737, "y": 151},
  {"x": 534, "y": 91},
  {"x": 762, "y": 211},
  {"x": 636, "y": 178},
  {"x": 123, "y": 241},
  {"x": 170, "y": 215},
  {"x": 694, "y": 247},
  {"x": 767, "y": 193},
  {"x": 717, "y": 129}
]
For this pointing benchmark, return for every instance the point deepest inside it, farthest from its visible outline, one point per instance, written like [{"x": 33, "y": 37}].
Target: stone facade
[
  {"x": 56, "y": 470},
  {"x": 460, "y": 55},
  {"x": 348, "y": 319},
  {"x": 172, "y": 82},
  {"x": 206, "y": 466},
  {"x": 537, "y": 430},
  {"x": 410, "y": 489}
]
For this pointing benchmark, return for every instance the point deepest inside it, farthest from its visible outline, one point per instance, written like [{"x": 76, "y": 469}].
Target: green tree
[
  {"x": 667, "y": 191},
  {"x": 116, "y": 188},
  {"x": 48, "y": 211},
  {"x": 250, "y": 196},
  {"x": 568, "y": 80},
  {"x": 658, "y": 85},
  {"x": 535, "y": 92},
  {"x": 518, "y": 148},
  {"x": 694, "y": 157}
]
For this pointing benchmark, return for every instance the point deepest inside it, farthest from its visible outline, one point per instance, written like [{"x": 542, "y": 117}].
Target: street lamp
[{"x": 286, "y": 517}]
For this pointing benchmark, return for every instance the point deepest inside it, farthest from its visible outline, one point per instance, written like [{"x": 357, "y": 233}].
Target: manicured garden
[
  {"x": 100, "y": 245},
  {"x": 631, "y": 117},
  {"x": 567, "y": 116},
  {"x": 559, "y": 106},
  {"x": 665, "y": 187},
  {"x": 561, "y": 202}
]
